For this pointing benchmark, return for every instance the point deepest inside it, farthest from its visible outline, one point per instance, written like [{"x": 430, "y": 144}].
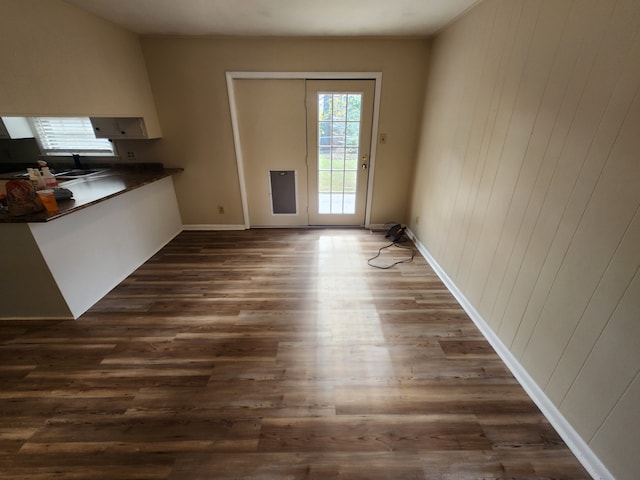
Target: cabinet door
[
  {"x": 122, "y": 127},
  {"x": 15, "y": 127}
]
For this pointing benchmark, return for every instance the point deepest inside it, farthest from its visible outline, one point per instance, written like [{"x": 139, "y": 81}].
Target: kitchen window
[{"x": 68, "y": 136}]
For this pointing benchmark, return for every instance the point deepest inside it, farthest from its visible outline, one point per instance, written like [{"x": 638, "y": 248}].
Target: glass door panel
[{"x": 339, "y": 121}]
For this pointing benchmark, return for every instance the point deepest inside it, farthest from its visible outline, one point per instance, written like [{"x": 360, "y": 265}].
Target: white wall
[
  {"x": 92, "y": 250},
  {"x": 527, "y": 195}
]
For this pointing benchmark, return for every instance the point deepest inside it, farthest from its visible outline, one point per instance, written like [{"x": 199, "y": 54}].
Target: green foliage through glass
[{"x": 339, "y": 116}]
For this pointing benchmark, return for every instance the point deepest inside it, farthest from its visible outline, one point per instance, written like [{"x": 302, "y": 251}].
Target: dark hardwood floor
[{"x": 269, "y": 354}]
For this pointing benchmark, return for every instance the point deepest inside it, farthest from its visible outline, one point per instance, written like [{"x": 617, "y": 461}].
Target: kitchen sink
[
  {"x": 69, "y": 174},
  {"x": 77, "y": 173}
]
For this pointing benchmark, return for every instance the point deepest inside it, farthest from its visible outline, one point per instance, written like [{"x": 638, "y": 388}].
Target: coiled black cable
[{"x": 406, "y": 260}]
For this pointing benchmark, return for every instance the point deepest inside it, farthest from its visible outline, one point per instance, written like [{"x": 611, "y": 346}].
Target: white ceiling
[{"x": 280, "y": 17}]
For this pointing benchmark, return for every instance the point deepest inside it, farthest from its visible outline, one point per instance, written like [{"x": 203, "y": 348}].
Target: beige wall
[
  {"x": 527, "y": 193},
  {"x": 59, "y": 60},
  {"x": 25, "y": 270},
  {"x": 189, "y": 85}
]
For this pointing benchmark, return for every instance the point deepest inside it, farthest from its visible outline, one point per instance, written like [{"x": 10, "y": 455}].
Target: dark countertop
[{"x": 96, "y": 188}]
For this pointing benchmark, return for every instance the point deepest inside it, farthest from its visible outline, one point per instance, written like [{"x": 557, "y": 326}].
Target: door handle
[{"x": 365, "y": 160}]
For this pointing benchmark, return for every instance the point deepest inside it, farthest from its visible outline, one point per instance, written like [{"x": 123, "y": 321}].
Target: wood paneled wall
[{"x": 527, "y": 193}]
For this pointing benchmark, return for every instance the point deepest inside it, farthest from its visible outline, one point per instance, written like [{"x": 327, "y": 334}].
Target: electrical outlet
[
  {"x": 383, "y": 138},
  {"x": 131, "y": 155},
  {"x": 417, "y": 219},
  {"x": 221, "y": 209}
]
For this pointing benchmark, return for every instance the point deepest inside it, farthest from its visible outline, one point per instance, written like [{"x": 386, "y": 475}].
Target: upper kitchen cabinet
[
  {"x": 119, "y": 128},
  {"x": 15, "y": 127},
  {"x": 71, "y": 64}
]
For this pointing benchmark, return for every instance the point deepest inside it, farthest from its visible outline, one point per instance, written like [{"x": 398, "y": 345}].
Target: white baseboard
[
  {"x": 576, "y": 444},
  {"x": 211, "y": 227}
]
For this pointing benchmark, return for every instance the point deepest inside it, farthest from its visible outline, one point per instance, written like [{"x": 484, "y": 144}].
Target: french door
[{"x": 339, "y": 124}]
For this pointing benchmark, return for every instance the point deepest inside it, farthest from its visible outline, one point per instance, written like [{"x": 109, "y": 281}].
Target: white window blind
[{"x": 69, "y": 135}]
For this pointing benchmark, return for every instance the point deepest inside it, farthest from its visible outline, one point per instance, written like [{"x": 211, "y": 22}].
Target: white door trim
[{"x": 231, "y": 76}]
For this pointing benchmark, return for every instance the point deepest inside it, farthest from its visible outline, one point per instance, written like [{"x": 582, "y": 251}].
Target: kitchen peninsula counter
[
  {"x": 95, "y": 188},
  {"x": 57, "y": 266}
]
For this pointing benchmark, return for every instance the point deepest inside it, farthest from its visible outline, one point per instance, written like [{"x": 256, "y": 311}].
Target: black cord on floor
[{"x": 406, "y": 260}]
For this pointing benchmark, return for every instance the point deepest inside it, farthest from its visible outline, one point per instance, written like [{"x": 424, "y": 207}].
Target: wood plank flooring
[{"x": 269, "y": 354}]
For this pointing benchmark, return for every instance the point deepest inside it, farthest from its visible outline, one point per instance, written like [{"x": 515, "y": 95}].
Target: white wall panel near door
[{"x": 271, "y": 124}]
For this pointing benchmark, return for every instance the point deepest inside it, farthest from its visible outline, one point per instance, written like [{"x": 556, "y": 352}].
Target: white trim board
[
  {"x": 576, "y": 444},
  {"x": 231, "y": 76}
]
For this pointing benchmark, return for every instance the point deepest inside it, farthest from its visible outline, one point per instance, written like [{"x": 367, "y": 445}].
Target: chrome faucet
[{"x": 76, "y": 161}]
